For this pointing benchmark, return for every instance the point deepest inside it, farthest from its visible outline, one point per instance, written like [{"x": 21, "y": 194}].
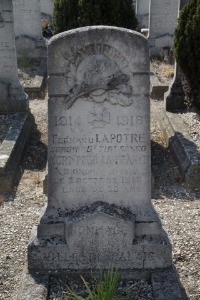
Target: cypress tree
[
  {"x": 65, "y": 15},
  {"x": 187, "y": 49},
  {"x": 70, "y": 14}
]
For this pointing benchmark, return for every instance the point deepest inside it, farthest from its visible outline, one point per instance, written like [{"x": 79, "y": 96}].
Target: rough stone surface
[
  {"x": 166, "y": 286},
  {"x": 142, "y": 13},
  {"x": 28, "y": 32},
  {"x": 13, "y": 99},
  {"x": 163, "y": 21},
  {"x": 99, "y": 155}
]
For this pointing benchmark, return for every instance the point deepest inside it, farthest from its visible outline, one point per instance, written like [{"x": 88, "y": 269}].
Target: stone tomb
[
  {"x": 99, "y": 208},
  {"x": 174, "y": 97},
  {"x": 163, "y": 21},
  {"x": 13, "y": 99},
  {"x": 28, "y": 32},
  {"x": 142, "y": 13}
]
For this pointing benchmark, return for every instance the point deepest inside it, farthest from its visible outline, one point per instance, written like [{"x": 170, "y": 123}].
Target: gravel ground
[
  {"x": 192, "y": 121},
  {"x": 179, "y": 208}
]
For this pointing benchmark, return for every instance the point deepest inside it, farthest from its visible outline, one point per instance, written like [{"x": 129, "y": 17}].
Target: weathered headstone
[
  {"x": 47, "y": 9},
  {"x": 142, "y": 13},
  {"x": 13, "y": 98},
  {"x": 28, "y": 32},
  {"x": 174, "y": 97},
  {"x": 99, "y": 175},
  {"x": 163, "y": 21}
]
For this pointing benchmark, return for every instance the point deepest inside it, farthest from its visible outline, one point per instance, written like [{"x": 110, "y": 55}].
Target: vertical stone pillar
[
  {"x": 28, "y": 30},
  {"x": 142, "y": 13},
  {"x": 163, "y": 21},
  {"x": 13, "y": 99}
]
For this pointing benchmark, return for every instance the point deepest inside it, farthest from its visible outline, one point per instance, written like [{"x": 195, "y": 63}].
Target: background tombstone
[
  {"x": 163, "y": 21},
  {"x": 174, "y": 97},
  {"x": 13, "y": 99},
  {"x": 28, "y": 32},
  {"x": 142, "y": 13},
  {"x": 47, "y": 7},
  {"x": 99, "y": 178}
]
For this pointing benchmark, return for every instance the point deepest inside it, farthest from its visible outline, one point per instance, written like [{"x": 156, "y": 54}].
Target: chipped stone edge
[
  {"x": 157, "y": 88},
  {"x": 37, "y": 87},
  {"x": 13, "y": 148},
  {"x": 182, "y": 146}
]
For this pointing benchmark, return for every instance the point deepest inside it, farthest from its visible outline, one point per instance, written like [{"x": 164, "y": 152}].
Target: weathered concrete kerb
[
  {"x": 182, "y": 146},
  {"x": 12, "y": 149}
]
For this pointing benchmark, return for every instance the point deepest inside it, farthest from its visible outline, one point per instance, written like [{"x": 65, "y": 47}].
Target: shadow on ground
[
  {"x": 167, "y": 180},
  {"x": 34, "y": 159}
]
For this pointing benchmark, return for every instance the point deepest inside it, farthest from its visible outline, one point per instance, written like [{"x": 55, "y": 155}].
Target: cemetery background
[
  {"x": 178, "y": 208},
  {"x": 169, "y": 195}
]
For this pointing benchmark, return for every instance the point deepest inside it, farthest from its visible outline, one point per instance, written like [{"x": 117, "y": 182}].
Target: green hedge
[{"x": 69, "y": 14}]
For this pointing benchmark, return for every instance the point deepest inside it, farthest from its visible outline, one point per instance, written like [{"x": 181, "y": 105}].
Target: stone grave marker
[
  {"x": 142, "y": 13},
  {"x": 99, "y": 208},
  {"x": 174, "y": 97},
  {"x": 13, "y": 99},
  {"x": 163, "y": 21},
  {"x": 28, "y": 32}
]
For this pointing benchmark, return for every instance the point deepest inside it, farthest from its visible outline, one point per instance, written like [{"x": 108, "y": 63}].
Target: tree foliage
[
  {"x": 69, "y": 14},
  {"x": 187, "y": 49},
  {"x": 65, "y": 15}
]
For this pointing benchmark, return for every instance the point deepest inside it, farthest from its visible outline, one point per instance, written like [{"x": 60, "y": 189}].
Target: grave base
[
  {"x": 165, "y": 283},
  {"x": 51, "y": 254}
]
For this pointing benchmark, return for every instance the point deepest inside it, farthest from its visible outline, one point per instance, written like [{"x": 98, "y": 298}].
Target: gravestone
[
  {"x": 99, "y": 208},
  {"x": 28, "y": 32},
  {"x": 142, "y": 13},
  {"x": 47, "y": 7},
  {"x": 174, "y": 97},
  {"x": 13, "y": 99},
  {"x": 163, "y": 21}
]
